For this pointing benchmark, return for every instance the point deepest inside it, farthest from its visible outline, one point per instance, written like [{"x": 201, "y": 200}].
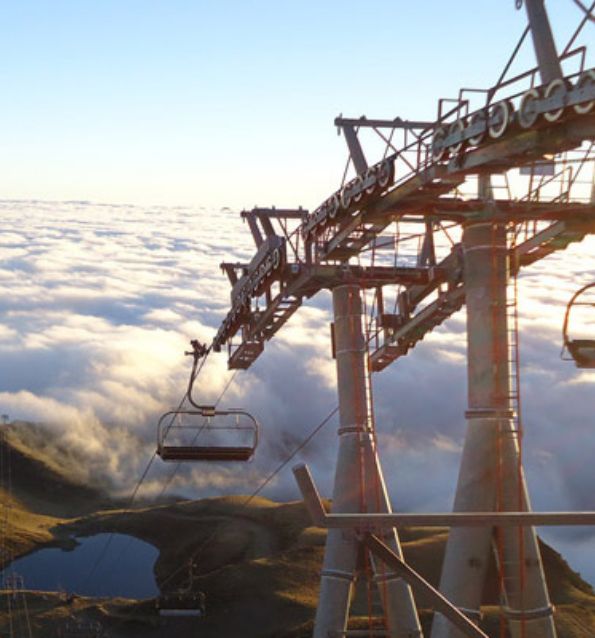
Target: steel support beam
[
  {"x": 359, "y": 485},
  {"x": 439, "y": 603},
  {"x": 543, "y": 41},
  {"x": 281, "y": 213},
  {"x": 355, "y": 149},
  {"x": 371, "y": 521},
  {"x": 398, "y": 122}
]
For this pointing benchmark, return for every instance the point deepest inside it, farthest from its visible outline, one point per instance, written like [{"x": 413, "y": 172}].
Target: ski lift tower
[{"x": 447, "y": 198}]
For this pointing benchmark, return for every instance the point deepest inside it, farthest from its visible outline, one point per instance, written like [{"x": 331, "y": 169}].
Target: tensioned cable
[
  {"x": 193, "y": 375},
  {"x": 256, "y": 492},
  {"x": 108, "y": 542},
  {"x": 299, "y": 448}
]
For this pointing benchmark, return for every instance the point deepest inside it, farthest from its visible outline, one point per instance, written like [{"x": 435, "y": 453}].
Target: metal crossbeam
[
  {"x": 364, "y": 524},
  {"x": 355, "y": 149},
  {"x": 375, "y": 123},
  {"x": 276, "y": 213},
  {"x": 368, "y": 522}
]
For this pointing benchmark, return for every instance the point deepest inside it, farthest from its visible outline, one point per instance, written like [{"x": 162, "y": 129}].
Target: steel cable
[
  {"x": 258, "y": 490},
  {"x": 196, "y": 369}
]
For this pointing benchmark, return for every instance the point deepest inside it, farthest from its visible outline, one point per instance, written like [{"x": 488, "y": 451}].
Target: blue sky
[{"x": 226, "y": 102}]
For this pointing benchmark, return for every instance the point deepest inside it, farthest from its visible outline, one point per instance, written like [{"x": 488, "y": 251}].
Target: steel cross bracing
[{"x": 422, "y": 183}]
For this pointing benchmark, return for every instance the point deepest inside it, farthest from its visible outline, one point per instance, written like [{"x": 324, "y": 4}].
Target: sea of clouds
[{"x": 98, "y": 304}]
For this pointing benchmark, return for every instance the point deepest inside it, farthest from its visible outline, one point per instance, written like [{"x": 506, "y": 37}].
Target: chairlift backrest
[
  {"x": 582, "y": 351},
  {"x": 170, "y": 447}
]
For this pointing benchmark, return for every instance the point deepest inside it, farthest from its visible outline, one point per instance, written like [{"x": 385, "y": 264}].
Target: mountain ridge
[{"x": 257, "y": 561}]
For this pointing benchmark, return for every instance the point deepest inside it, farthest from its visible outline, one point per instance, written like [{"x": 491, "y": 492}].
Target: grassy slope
[
  {"x": 45, "y": 477},
  {"x": 258, "y": 563}
]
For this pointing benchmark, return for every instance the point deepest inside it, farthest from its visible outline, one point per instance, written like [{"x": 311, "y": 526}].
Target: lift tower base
[
  {"x": 359, "y": 487},
  {"x": 491, "y": 477}
]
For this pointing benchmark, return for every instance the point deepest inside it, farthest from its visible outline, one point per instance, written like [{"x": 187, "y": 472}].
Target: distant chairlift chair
[
  {"x": 181, "y": 604},
  {"x": 79, "y": 628},
  {"x": 582, "y": 351},
  {"x": 185, "y": 602},
  {"x": 185, "y": 442}
]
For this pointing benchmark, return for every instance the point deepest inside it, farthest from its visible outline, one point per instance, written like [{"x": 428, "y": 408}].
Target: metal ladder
[{"x": 512, "y": 573}]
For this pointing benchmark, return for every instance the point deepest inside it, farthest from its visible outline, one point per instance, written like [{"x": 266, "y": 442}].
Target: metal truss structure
[
  {"x": 447, "y": 215},
  {"x": 299, "y": 254}
]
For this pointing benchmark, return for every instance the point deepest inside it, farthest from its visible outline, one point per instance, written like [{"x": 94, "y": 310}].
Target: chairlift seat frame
[
  {"x": 583, "y": 352},
  {"x": 219, "y": 453},
  {"x": 204, "y": 453}
]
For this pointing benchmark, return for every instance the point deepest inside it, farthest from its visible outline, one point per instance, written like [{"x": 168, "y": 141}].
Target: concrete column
[
  {"x": 468, "y": 550},
  {"x": 490, "y": 464},
  {"x": 356, "y": 476},
  {"x": 524, "y": 579}
]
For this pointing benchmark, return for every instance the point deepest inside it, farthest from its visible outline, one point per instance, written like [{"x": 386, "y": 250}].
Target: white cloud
[{"x": 98, "y": 303}]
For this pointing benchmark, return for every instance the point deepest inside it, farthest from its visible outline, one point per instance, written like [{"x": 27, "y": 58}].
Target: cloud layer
[{"x": 98, "y": 303}]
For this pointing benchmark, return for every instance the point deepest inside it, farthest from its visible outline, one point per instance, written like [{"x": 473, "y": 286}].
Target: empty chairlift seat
[
  {"x": 207, "y": 434},
  {"x": 78, "y": 628},
  {"x": 580, "y": 314},
  {"x": 181, "y": 604}
]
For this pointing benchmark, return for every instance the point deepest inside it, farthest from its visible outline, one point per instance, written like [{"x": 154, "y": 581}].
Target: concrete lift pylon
[
  {"x": 491, "y": 457},
  {"x": 358, "y": 487}
]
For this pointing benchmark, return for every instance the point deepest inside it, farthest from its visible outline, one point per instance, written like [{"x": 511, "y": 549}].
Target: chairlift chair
[
  {"x": 77, "y": 628},
  {"x": 582, "y": 351},
  {"x": 182, "y": 604},
  {"x": 171, "y": 448}
]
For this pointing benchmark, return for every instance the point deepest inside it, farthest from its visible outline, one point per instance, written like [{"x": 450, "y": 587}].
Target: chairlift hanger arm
[{"x": 200, "y": 351}]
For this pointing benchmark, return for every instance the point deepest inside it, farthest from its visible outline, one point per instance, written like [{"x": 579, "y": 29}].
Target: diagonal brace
[
  {"x": 355, "y": 149},
  {"x": 417, "y": 582}
]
